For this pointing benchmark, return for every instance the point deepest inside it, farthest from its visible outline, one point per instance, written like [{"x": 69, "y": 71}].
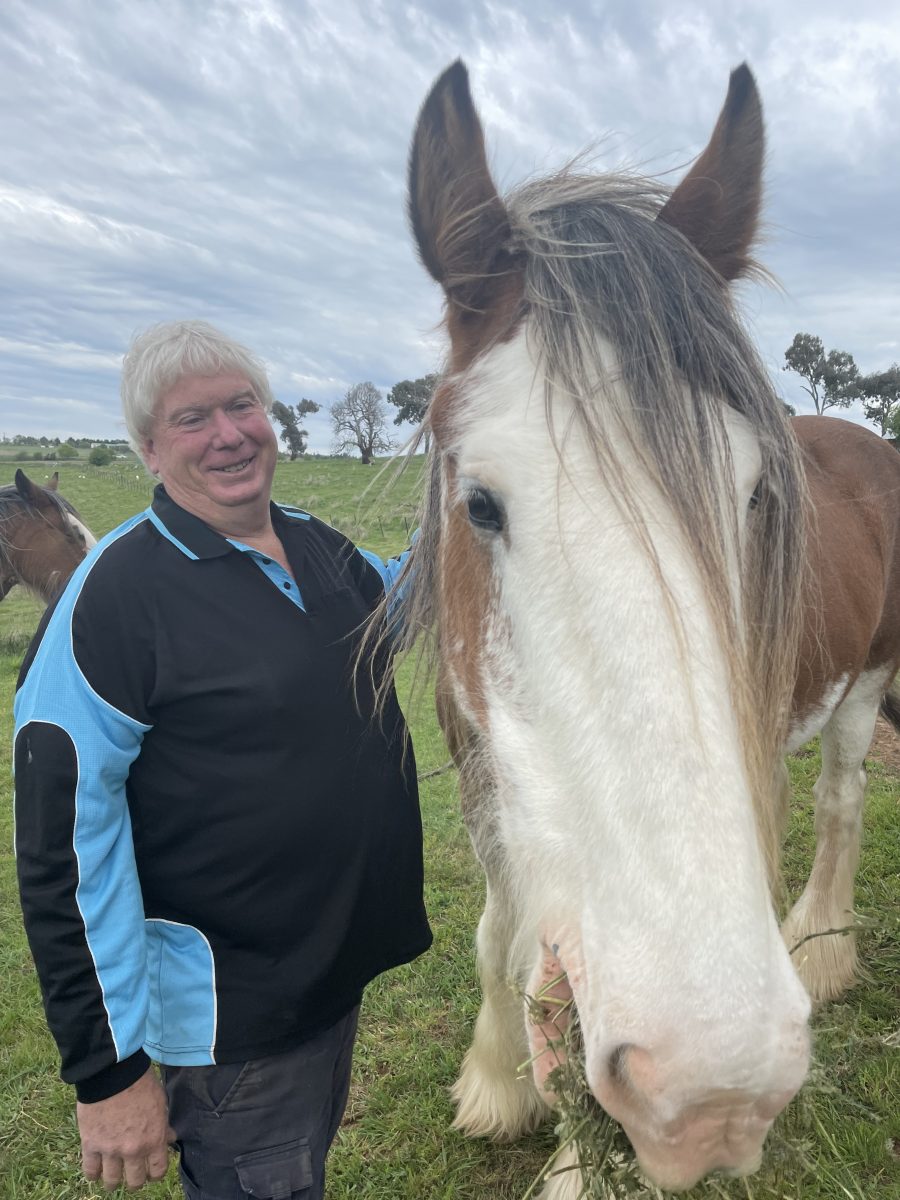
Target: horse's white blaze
[
  {"x": 626, "y": 813},
  {"x": 82, "y": 529}
]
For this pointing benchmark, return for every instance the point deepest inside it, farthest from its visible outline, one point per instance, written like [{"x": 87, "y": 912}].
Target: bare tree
[{"x": 359, "y": 422}]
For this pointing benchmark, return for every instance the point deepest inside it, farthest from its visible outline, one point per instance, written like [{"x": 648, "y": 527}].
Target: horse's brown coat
[{"x": 853, "y": 596}]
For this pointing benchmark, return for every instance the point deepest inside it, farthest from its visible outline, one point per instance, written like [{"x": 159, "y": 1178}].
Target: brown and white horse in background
[
  {"x": 644, "y": 585},
  {"x": 848, "y": 668},
  {"x": 42, "y": 537}
]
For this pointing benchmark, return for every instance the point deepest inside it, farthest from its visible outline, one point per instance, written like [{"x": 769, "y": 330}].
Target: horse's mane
[
  {"x": 12, "y": 501},
  {"x": 599, "y": 268}
]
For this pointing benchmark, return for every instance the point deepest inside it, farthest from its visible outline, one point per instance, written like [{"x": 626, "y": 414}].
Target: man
[{"x": 218, "y": 840}]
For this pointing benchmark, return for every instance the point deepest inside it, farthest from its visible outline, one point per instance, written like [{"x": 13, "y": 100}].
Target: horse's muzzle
[{"x": 678, "y": 1143}]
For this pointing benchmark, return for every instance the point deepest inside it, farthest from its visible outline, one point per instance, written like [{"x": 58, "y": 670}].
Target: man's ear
[{"x": 148, "y": 454}]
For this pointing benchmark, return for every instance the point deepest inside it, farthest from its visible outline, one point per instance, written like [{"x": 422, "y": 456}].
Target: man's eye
[{"x": 193, "y": 421}]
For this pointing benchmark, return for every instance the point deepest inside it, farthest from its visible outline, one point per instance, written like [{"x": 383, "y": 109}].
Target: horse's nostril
[{"x": 634, "y": 1068}]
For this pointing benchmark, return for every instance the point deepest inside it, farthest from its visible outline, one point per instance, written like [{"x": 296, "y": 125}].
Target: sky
[{"x": 245, "y": 162}]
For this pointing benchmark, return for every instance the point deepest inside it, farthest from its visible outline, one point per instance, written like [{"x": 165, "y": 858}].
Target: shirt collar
[{"x": 192, "y": 536}]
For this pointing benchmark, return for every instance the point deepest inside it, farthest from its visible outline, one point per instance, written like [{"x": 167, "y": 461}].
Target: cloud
[{"x": 245, "y": 162}]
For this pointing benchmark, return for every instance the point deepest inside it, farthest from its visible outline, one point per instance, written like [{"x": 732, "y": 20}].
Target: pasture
[{"x": 840, "y": 1138}]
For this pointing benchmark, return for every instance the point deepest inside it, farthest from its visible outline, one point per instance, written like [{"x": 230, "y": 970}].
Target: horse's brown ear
[
  {"x": 716, "y": 206},
  {"x": 31, "y": 493},
  {"x": 24, "y": 486},
  {"x": 53, "y": 482},
  {"x": 458, "y": 219}
]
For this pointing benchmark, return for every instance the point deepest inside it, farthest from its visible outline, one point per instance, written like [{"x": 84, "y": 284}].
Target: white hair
[{"x": 163, "y": 354}]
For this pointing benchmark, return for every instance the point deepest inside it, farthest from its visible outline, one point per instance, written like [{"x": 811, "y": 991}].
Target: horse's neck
[{"x": 853, "y": 560}]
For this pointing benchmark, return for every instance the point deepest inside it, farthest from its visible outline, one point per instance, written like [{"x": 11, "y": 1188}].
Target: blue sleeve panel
[
  {"x": 79, "y": 888},
  {"x": 390, "y": 570}
]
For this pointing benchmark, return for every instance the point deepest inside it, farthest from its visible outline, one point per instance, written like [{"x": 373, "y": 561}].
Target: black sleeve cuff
[{"x": 112, "y": 1080}]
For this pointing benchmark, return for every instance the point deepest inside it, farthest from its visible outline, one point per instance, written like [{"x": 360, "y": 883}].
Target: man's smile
[{"x": 234, "y": 468}]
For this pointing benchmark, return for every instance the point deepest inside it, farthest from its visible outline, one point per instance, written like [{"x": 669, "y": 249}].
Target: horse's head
[
  {"x": 44, "y": 537},
  {"x": 617, "y": 539}
]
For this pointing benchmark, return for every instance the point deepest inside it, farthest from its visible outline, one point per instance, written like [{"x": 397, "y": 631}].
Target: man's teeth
[{"x": 237, "y": 467}]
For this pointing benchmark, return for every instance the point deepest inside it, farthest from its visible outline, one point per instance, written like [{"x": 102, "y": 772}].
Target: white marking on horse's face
[
  {"x": 624, "y": 807},
  {"x": 81, "y": 531}
]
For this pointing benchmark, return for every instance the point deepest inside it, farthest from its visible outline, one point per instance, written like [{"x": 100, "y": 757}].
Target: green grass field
[{"x": 839, "y": 1139}]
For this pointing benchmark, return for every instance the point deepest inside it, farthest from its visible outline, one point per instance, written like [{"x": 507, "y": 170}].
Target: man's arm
[
  {"x": 80, "y": 895},
  {"x": 393, "y": 580}
]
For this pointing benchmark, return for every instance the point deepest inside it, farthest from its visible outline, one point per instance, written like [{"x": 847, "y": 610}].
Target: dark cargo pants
[{"x": 262, "y": 1128}]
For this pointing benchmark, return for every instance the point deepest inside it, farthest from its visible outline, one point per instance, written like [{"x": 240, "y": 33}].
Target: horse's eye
[
  {"x": 754, "y": 499},
  {"x": 485, "y": 511}
]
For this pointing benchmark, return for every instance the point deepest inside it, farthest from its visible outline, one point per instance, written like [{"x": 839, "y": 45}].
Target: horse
[
  {"x": 42, "y": 537},
  {"x": 644, "y": 585}
]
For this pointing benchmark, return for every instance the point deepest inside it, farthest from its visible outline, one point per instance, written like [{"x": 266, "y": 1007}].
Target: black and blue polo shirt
[{"x": 218, "y": 841}]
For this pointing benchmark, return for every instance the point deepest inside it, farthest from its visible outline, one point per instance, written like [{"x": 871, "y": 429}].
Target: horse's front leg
[
  {"x": 495, "y": 1094},
  {"x": 826, "y": 962}
]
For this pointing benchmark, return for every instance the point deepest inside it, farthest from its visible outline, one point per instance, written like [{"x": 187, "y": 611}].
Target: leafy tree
[
  {"x": 100, "y": 456},
  {"x": 305, "y": 407},
  {"x": 832, "y": 379},
  {"x": 289, "y": 418},
  {"x": 290, "y": 430},
  {"x": 66, "y": 450},
  {"x": 358, "y": 422},
  {"x": 881, "y": 398},
  {"x": 411, "y": 398}
]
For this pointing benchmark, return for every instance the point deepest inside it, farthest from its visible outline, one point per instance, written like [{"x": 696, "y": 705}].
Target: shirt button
[{"x": 288, "y": 586}]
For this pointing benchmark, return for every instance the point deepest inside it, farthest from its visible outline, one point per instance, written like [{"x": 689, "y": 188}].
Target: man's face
[{"x": 212, "y": 446}]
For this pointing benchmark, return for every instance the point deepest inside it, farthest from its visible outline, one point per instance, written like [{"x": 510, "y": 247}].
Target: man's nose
[{"x": 225, "y": 431}]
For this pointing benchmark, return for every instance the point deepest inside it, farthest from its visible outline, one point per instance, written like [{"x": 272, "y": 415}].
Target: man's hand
[{"x": 126, "y": 1138}]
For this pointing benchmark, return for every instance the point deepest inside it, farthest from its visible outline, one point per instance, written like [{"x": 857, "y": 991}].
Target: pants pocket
[
  {"x": 276, "y": 1173},
  {"x": 217, "y": 1086}
]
